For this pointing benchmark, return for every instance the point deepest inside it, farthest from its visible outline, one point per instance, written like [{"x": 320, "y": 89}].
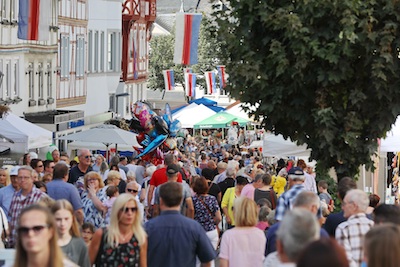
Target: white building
[{"x": 72, "y": 81}]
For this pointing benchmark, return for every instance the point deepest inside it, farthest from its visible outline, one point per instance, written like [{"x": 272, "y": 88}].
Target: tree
[
  {"x": 324, "y": 73},
  {"x": 162, "y": 53}
]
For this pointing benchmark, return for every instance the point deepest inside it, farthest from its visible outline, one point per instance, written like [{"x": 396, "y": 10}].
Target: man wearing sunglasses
[
  {"x": 27, "y": 195},
  {"x": 133, "y": 189},
  {"x": 84, "y": 166}
]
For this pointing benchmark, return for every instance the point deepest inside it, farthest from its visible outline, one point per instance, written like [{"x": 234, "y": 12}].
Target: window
[
  {"x": 7, "y": 79},
  {"x": 2, "y": 84},
  {"x": 49, "y": 81},
  {"x": 102, "y": 51},
  {"x": 3, "y": 9},
  {"x": 96, "y": 51},
  {"x": 90, "y": 51},
  {"x": 112, "y": 101},
  {"x": 16, "y": 78},
  {"x": 64, "y": 47},
  {"x": 80, "y": 56},
  {"x": 31, "y": 85},
  {"x": 114, "y": 51},
  {"x": 40, "y": 80}
]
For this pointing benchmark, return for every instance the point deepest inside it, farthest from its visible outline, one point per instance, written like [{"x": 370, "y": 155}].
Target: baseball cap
[
  {"x": 296, "y": 173},
  {"x": 172, "y": 169},
  {"x": 14, "y": 170}
]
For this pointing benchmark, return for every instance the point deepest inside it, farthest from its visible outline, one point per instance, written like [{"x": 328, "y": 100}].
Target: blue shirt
[
  {"x": 332, "y": 222},
  {"x": 271, "y": 237},
  {"x": 58, "y": 189},
  {"x": 175, "y": 240},
  {"x": 6, "y": 195},
  {"x": 285, "y": 201}
]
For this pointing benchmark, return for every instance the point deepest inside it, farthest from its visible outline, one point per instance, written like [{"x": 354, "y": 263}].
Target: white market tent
[
  {"x": 24, "y": 134},
  {"x": 238, "y": 112},
  {"x": 193, "y": 114},
  {"x": 277, "y": 146},
  {"x": 392, "y": 141},
  {"x": 75, "y": 145}
]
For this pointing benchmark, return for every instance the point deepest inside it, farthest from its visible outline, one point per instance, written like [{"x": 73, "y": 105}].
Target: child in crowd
[
  {"x": 324, "y": 195},
  {"x": 88, "y": 230},
  {"x": 112, "y": 193}
]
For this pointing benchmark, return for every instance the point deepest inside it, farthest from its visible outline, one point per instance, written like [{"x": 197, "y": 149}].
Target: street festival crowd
[{"x": 207, "y": 200}]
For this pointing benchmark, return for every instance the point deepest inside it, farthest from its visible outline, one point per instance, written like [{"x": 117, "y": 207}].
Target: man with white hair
[
  {"x": 298, "y": 228},
  {"x": 350, "y": 233},
  {"x": 305, "y": 200}
]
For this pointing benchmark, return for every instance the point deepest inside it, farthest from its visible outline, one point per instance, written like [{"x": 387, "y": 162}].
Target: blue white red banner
[
  {"x": 222, "y": 76},
  {"x": 187, "y": 29},
  {"x": 169, "y": 80},
  {"x": 190, "y": 84},
  {"x": 210, "y": 81},
  {"x": 34, "y": 20}
]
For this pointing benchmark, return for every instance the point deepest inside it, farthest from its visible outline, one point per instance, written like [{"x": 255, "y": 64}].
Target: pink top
[
  {"x": 262, "y": 225},
  {"x": 243, "y": 246},
  {"x": 248, "y": 191}
]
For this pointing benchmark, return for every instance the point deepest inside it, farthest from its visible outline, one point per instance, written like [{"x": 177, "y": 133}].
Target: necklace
[{"x": 124, "y": 237}]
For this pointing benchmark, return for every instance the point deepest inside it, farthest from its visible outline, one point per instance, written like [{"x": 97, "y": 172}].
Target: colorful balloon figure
[{"x": 154, "y": 132}]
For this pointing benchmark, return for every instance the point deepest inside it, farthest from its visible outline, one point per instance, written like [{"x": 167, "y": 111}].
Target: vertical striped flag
[
  {"x": 169, "y": 79},
  {"x": 34, "y": 20},
  {"x": 222, "y": 77},
  {"x": 187, "y": 70},
  {"x": 190, "y": 84},
  {"x": 210, "y": 81},
  {"x": 187, "y": 30}
]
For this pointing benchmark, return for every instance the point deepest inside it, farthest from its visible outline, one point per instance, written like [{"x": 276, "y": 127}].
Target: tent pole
[{"x": 107, "y": 154}]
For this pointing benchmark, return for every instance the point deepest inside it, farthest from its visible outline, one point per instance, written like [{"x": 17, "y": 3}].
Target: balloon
[
  {"x": 135, "y": 125},
  {"x": 153, "y": 145},
  {"x": 168, "y": 114},
  {"x": 170, "y": 143},
  {"x": 160, "y": 125},
  {"x": 174, "y": 128},
  {"x": 145, "y": 120}
]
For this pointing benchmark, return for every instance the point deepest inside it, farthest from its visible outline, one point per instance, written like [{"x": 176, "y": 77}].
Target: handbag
[{"x": 4, "y": 237}]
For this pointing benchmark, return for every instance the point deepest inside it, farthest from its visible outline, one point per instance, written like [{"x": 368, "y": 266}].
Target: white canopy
[
  {"x": 392, "y": 141},
  {"x": 277, "y": 146},
  {"x": 238, "y": 112},
  {"x": 24, "y": 134},
  {"x": 193, "y": 114}
]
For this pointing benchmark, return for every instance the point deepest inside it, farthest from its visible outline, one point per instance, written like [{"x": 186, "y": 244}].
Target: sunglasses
[
  {"x": 36, "y": 229},
  {"x": 132, "y": 209},
  {"x": 87, "y": 156},
  {"x": 131, "y": 190},
  {"x": 39, "y": 166}
]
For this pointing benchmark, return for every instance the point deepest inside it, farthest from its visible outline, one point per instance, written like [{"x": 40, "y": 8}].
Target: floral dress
[
  {"x": 127, "y": 254},
  {"x": 205, "y": 208},
  {"x": 92, "y": 214}
]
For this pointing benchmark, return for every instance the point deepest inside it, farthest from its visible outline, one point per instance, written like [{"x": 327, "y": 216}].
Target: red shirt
[{"x": 160, "y": 176}]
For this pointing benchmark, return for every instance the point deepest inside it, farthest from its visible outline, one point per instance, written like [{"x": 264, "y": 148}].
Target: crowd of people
[{"x": 208, "y": 201}]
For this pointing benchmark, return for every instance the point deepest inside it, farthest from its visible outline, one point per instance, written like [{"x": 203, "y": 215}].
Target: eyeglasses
[
  {"x": 132, "y": 209},
  {"x": 87, "y": 156},
  {"x": 39, "y": 166},
  {"x": 132, "y": 190},
  {"x": 36, "y": 229},
  {"x": 24, "y": 177}
]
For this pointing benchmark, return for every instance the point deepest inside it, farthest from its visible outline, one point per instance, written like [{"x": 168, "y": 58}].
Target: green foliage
[
  {"x": 162, "y": 53},
  {"x": 325, "y": 73}
]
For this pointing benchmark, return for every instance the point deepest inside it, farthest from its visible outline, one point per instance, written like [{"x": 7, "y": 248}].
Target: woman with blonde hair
[
  {"x": 70, "y": 239},
  {"x": 243, "y": 245},
  {"x": 93, "y": 196},
  {"x": 124, "y": 243},
  {"x": 37, "y": 239},
  {"x": 382, "y": 246},
  {"x": 4, "y": 177},
  {"x": 114, "y": 178}
]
